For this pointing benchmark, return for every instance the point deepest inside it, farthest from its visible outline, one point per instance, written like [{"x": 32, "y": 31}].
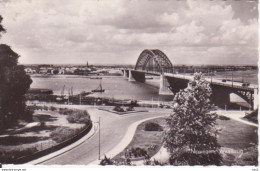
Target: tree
[
  {"x": 14, "y": 83},
  {"x": 191, "y": 137},
  {"x": 2, "y": 29}
]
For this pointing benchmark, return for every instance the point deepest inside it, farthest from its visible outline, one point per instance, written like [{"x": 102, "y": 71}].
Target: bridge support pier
[
  {"x": 125, "y": 73},
  {"x": 164, "y": 86},
  {"x": 255, "y": 106},
  {"x": 130, "y": 76},
  {"x": 138, "y": 76}
]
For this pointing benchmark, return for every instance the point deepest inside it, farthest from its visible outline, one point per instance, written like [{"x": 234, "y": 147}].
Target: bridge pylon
[
  {"x": 164, "y": 86},
  {"x": 130, "y": 76},
  {"x": 125, "y": 73}
]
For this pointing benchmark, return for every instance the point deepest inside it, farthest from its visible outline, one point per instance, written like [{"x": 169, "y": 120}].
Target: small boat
[
  {"x": 98, "y": 89},
  {"x": 83, "y": 93}
]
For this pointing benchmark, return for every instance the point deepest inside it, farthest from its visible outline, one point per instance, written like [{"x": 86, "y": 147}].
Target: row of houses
[{"x": 59, "y": 70}]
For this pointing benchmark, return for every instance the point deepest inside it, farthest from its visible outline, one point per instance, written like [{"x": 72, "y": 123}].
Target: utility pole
[
  {"x": 232, "y": 77},
  {"x": 99, "y": 124},
  {"x": 80, "y": 98},
  {"x": 68, "y": 96}
]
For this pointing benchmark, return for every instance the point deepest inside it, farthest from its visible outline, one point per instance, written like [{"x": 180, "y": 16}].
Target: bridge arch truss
[{"x": 154, "y": 60}]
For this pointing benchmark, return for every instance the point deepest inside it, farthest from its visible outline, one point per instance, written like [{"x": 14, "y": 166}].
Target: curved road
[{"x": 113, "y": 129}]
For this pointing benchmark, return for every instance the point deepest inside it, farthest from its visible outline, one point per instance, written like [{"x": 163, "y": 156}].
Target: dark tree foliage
[
  {"x": 14, "y": 83},
  {"x": 191, "y": 137},
  {"x": 2, "y": 29}
]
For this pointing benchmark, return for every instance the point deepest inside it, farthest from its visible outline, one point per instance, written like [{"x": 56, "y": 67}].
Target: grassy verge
[
  {"x": 238, "y": 141},
  {"x": 252, "y": 117},
  {"x": 149, "y": 141}
]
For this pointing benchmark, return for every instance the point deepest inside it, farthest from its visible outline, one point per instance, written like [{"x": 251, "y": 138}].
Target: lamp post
[
  {"x": 99, "y": 124},
  {"x": 99, "y": 136},
  {"x": 232, "y": 78}
]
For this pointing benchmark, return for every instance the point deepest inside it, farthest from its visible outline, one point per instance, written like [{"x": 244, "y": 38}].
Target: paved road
[
  {"x": 113, "y": 129},
  {"x": 214, "y": 80}
]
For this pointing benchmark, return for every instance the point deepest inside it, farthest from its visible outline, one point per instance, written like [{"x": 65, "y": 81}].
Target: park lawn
[
  {"x": 15, "y": 142},
  {"x": 151, "y": 141},
  {"x": 238, "y": 141}
]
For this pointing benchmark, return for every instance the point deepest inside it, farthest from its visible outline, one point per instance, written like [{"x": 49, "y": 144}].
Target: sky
[{"x": 191, "y": 32}]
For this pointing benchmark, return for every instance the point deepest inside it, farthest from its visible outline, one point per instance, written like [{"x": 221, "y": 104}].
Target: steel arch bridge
[{"x": 154, "y": 60}]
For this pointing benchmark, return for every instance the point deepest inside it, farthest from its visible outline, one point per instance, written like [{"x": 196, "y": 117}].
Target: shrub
[
  {"x": 107, "y": 161},
  {"x": 130, "y": 108},
  {"x": 221, "y": 117},
  {"x": 52, "y": 108},
  {"x": 62, "y": 133},
  {"x": 79, "y": 117},
  {"x": 253, "y": 116},
  {"x": 65, "y": 111},
  {"x": 151, "y": 126},
  {"x": 9, "y": 157},
  {"x": 193, "y": 158},
  {"x": 138, "y": 152},
  {"x": 118, "y": 109}
]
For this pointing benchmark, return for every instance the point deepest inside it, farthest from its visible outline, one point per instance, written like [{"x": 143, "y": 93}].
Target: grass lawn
[
  {"x": 238, "y": 141},
  {"x": 19, "y": 140},
  {"x": 150, "y": 141}
]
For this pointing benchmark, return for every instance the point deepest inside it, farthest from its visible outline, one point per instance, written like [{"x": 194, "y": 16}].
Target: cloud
[{"x": 109, "y": 32}]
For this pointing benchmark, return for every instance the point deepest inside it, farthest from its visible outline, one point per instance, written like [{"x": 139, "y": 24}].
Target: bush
[
  {"x": 107, "y": 161},
  {"x": 61, "y": 134},
  {"x": 118, "y": 109},
  {"x": 221, "y": 117},
  {"x": 52, "y": 108},
  {"x": 65, "y": 111},
  {"x": 138, "y": 152},
  {"x": 151, "y": 126},
  {"x": 192, "y": 158},
  {"x": 253, "y": 117},
  {"x": 130, "y": 108},
  {"x": 79, "y": 117},
  {"x": 9, "y": 157}
]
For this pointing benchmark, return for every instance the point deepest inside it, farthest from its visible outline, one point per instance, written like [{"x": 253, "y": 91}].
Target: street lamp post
[
  {"x": 232, "y": 78},
  {"x": 99, "y": 137},
  {"x": 99, "y": 124}
]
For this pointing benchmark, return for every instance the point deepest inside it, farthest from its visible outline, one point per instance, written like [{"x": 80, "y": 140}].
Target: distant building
[{"x": 30, "y": 70}]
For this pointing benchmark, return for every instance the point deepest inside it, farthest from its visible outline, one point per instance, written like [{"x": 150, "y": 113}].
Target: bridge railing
[{"x": 233, "y": 86}]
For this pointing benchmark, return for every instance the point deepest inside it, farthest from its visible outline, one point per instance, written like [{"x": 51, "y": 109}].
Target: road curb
[
  {"x": 125, "y": 141},
  {"x": 40, "y": 160}
]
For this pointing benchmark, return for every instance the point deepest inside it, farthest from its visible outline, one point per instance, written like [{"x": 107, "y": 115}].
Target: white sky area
[{"x": 117, "y": 31}]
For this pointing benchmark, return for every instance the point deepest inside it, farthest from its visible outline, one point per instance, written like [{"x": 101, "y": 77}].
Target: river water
[{"x": 120, "y": 88}]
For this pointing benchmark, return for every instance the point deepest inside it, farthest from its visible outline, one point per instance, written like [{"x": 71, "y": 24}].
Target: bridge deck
[{"x": 215, "y": 81}]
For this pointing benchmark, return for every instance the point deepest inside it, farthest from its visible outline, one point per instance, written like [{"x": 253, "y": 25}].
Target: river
[{"x": 120, "y": 88}]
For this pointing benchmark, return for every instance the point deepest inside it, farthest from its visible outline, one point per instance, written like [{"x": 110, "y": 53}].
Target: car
[{"x": 245, "y": 84}]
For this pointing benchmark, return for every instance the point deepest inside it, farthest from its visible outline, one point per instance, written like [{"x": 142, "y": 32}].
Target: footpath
[{"x": 236, "y": 115}]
